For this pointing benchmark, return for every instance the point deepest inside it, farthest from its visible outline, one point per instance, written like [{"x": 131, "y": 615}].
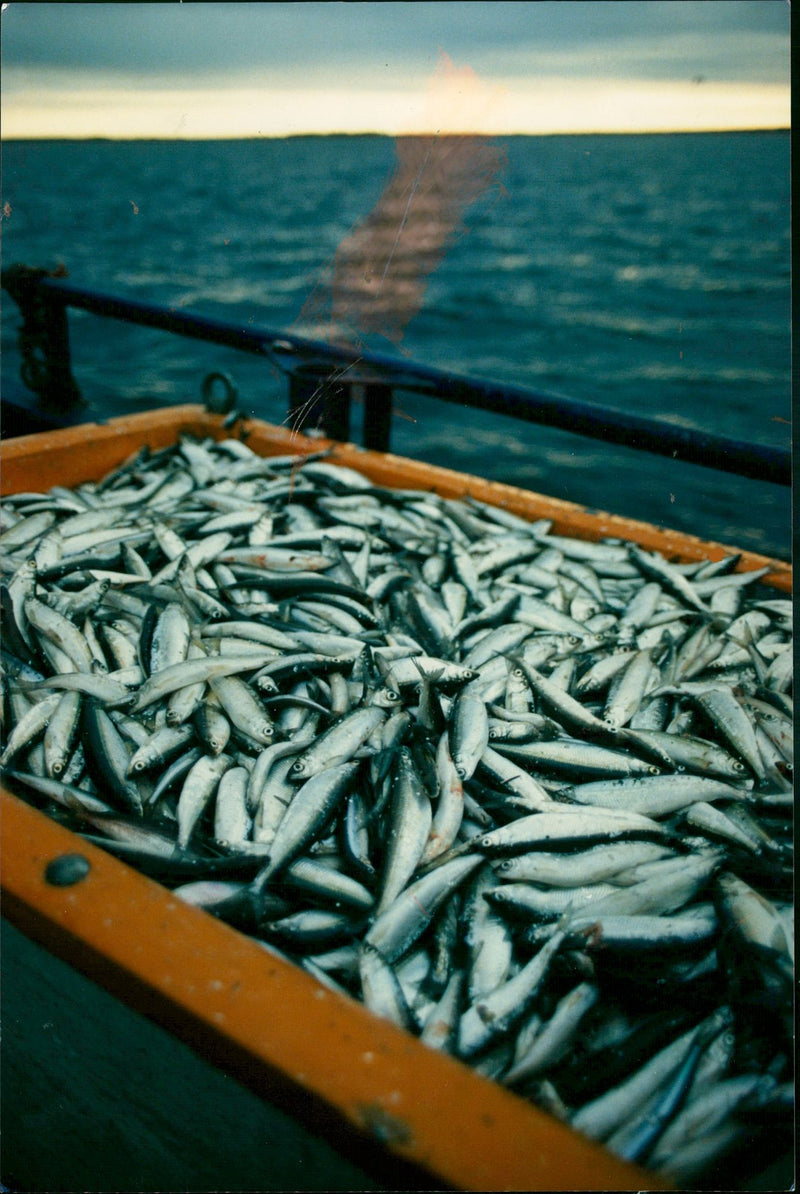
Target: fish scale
[{"x": 232, "y": 558}]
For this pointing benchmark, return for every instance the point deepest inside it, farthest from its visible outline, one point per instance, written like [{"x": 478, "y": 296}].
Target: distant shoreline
[{"x": 397, "y": 136}]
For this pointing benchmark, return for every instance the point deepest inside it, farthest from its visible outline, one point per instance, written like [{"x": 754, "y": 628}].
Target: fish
[{"x": 515, "y": 791}]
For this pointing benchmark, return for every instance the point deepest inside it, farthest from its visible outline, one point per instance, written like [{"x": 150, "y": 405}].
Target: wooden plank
[{"x": 272, "y": 1024}]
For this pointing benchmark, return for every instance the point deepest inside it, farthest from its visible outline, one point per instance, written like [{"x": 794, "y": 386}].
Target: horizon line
[{"x": 773, "y": 128}]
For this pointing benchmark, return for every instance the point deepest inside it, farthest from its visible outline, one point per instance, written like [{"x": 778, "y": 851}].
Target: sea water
[{"x": 646, "y": 273}]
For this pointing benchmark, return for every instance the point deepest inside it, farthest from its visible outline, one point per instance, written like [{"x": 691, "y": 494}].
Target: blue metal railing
[{"x": 322, "y": 378}]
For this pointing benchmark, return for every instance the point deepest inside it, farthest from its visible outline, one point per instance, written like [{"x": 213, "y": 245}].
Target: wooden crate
[{"x": 299, "y": 1045}]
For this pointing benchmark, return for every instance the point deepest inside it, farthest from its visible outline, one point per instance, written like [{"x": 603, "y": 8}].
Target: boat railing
[{"x": 324, "y": 379}]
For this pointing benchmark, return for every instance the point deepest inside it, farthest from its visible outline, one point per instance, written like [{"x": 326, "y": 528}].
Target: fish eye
[
  {"x": 297, "y": 766},
  {"x": 139, "y": 765},
  {"x": 737, "y": 766},
  {"x": 654, "y": 770}
]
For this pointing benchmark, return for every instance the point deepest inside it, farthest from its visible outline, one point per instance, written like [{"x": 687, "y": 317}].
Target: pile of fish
[{"x": 527, "y": 796}]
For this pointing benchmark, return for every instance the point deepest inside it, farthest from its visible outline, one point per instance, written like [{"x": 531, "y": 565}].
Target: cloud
[
  {"x": 736, "y": 39},
  {"x": 273, "y": 68},
  {"x": 682, "y": 56}
]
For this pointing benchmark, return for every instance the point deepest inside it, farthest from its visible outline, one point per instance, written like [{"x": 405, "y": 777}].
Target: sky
[{"x": 198, "y": 70}]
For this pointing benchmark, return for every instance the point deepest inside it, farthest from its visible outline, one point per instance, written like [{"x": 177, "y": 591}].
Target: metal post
[
  {"x": 318, "y": 401},
  {"x": 43, "y": 338},
  {"x": 336, "y": 411},
  {"x": 377, "y": 416},
  {"x": 305, "y": 401}
]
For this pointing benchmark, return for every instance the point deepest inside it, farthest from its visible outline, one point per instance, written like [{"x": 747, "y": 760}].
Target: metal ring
[{"x": 219, "y": 404}]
